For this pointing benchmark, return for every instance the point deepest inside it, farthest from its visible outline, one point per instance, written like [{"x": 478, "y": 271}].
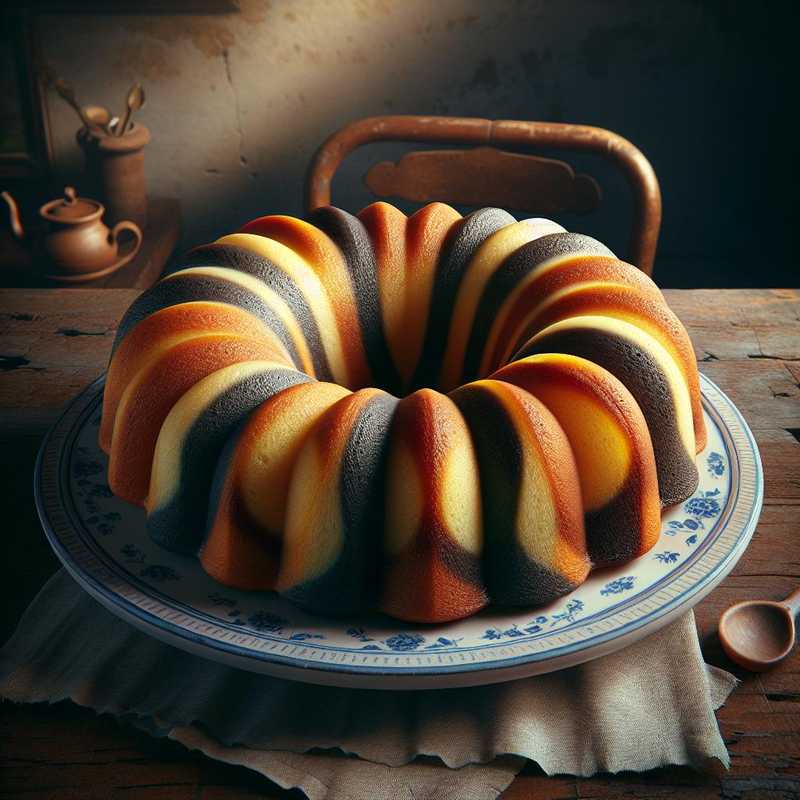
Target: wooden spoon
[
  {"x": 100, "y": 117},
  {"x": 757, "y": 634},
  {"x": 133, "y": 102},
  {"x": 66, "y": 92}
]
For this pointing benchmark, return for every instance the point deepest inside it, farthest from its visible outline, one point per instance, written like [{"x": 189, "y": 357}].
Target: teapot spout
[{"x": 13, "y": 216}]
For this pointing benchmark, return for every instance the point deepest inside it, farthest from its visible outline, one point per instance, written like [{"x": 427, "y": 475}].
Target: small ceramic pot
[
  {"x": 115, "y": 167},
  {"x": 77, "y": 242}
]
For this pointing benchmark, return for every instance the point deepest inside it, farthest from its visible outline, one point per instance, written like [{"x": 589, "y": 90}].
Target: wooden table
[{"x": 53, "y": 343}]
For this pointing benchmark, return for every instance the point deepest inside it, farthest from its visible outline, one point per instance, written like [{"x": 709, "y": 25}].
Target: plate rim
[{"x": 332, "y": 672}]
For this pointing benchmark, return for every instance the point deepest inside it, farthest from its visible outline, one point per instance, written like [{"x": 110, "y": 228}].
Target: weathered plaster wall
[{"x": 237, "y": 103}]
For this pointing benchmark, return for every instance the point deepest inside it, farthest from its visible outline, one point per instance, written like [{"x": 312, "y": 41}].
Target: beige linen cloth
[{"x": 645, "y": 706}]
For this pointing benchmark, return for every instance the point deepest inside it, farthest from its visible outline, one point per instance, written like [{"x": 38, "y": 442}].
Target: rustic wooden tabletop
[{"x": 53, "y": 343}]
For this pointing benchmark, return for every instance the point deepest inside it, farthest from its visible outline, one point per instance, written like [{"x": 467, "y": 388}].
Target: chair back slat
[{"x": 486, "y": 176}]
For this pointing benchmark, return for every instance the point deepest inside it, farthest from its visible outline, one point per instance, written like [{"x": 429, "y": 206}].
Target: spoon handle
[
  {"x": 67, "y": 94},
  {"x": 792, "y": 602},
  {"x": 126, "y": 118}
]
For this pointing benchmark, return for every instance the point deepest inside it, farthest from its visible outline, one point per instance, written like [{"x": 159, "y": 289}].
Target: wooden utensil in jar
[
  {"x": 133, "y": 102},
  {"x": 66, "y": 92}
]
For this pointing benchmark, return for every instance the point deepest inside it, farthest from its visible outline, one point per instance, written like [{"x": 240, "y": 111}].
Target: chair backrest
[{"x": 484, "y": 175}]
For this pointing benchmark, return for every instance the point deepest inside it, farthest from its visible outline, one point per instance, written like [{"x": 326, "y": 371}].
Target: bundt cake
[{"x": 420, "y": 415}]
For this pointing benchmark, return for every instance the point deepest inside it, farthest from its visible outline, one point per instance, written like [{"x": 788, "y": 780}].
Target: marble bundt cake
[{"x": 420, "y": 415}]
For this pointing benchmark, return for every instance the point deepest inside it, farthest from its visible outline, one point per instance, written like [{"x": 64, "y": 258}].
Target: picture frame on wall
[{"x": 25, "y": 148}]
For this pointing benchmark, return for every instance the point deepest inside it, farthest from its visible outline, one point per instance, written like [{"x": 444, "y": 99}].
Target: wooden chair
[{"x": 485, "y": 175}]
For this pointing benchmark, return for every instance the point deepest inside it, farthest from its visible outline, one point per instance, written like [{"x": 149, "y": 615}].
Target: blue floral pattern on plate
[
  {"x": 715, "y": 464},
  {"x": 619, "y": 585},
  {"x": 667, "y": 557}
]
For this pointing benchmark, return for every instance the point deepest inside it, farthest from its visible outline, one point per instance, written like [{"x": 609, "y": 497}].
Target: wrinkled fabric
[{"x": 646, "y": 706}]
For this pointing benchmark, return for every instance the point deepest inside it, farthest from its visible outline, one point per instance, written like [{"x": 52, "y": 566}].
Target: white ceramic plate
[{"x": 103, "y": 543}]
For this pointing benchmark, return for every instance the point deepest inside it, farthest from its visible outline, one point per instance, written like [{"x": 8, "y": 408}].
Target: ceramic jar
[{"x": 115, "y": 167}]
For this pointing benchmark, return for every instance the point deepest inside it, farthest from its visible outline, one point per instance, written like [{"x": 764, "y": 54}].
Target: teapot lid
[{"x": 71, "y": 208}]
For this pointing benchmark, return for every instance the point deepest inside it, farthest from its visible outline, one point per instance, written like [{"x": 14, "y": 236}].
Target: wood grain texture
[
  {"x": 485, "y": 176},
  {"x": 53, "y": 343}
]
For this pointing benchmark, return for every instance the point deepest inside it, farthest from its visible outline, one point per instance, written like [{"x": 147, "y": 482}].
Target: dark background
[
  {"x": 706, "y": 91},
  {"x": 238, "y": 102}
]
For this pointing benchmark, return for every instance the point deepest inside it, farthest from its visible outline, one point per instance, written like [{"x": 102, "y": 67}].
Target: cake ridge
[{"x": 420, "y": 415}]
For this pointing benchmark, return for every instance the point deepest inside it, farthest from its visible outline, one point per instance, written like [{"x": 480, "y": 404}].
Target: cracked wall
[{"x": 237, "y": 103}]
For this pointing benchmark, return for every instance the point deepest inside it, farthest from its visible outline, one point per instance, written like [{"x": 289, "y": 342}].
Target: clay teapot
[{"x": 76, "y": 242}]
